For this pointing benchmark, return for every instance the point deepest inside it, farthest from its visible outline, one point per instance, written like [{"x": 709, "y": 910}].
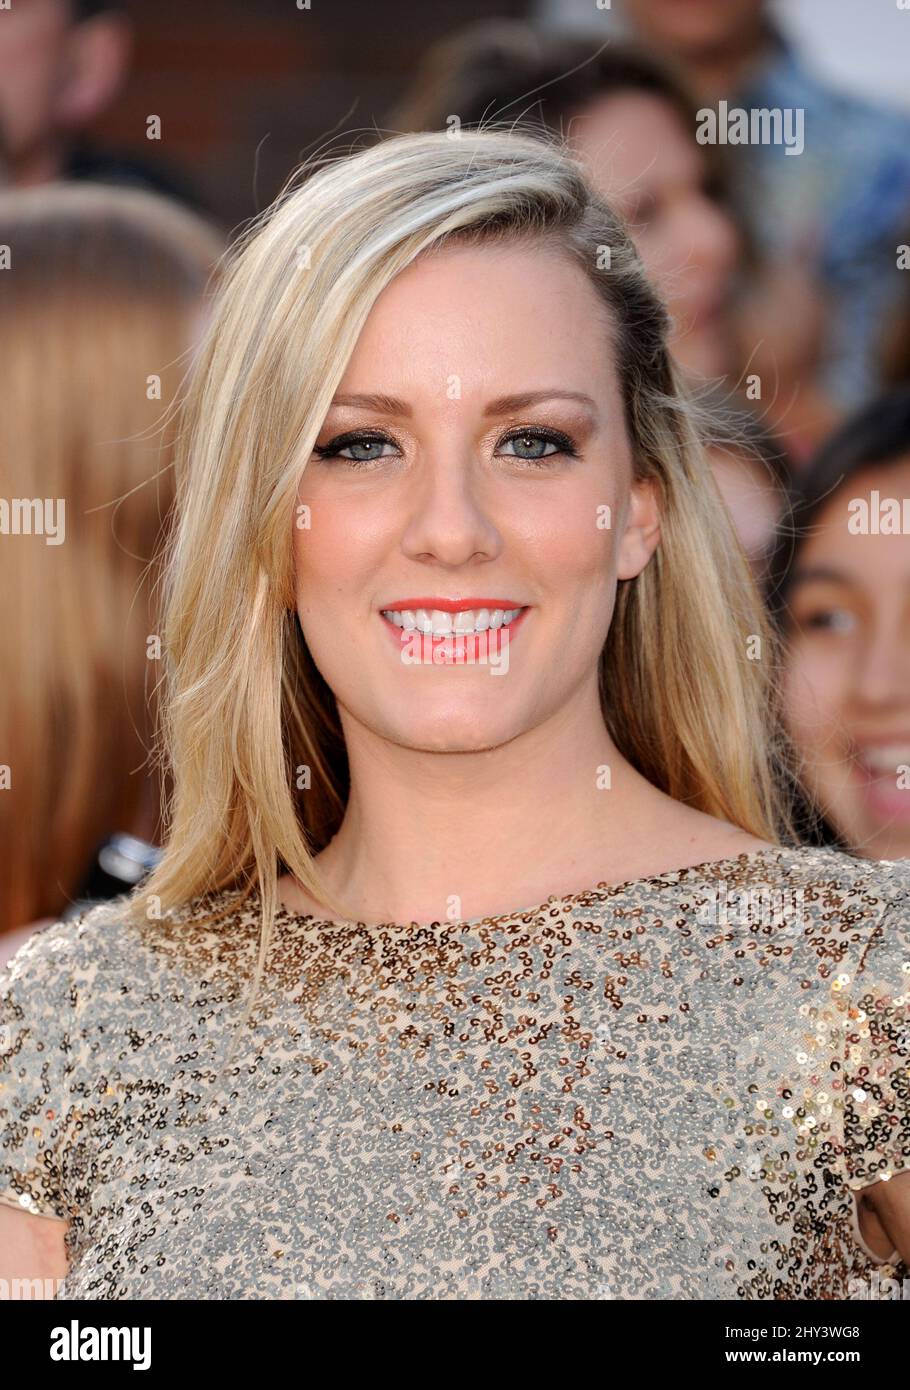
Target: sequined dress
[{"x": 668, "y": 1088}]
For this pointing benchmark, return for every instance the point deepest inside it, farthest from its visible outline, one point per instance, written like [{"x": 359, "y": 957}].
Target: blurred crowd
[{"x": 784, "y": 271}]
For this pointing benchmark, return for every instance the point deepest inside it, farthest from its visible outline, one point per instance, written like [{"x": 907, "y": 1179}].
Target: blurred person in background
[
  {"x": 103, "y": 300},
  {"x": 629, "y": 120},
  {"x": 754, "y": 475},
  {"x": 62, "y": 65},
  {"x": 632, "y": 124},
  {"x": 839, "y": 587},
  {"x": 825, "y": 222},
  {"x": 894, "y": 348}
]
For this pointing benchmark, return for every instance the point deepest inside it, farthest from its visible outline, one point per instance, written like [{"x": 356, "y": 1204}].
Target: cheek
[
  {"x": 669, "y": 251},
  {"x": 575, "y": 566},
  {"x": 812, "y": 693},
  {"x": 335, "y": 546},
  {"x": 33, "y": 60},
  {"x": 574, "y": 542}
]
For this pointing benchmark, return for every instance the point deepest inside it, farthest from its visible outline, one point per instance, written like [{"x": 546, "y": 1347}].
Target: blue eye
[
  {"x": 357, "y": 447},
  {"x": 364, "y": 447},
  {"x": 534, "y": 444}
]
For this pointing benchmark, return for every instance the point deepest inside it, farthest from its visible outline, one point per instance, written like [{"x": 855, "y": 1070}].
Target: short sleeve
[
  {"x": 877, "y": 1070},
  {"x": 37, "y": 1023}
]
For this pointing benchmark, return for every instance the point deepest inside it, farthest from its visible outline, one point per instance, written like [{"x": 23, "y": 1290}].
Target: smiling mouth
[
  {"x": 882, "y": 760},
  {"x": 463, "y": 622},
  {"x": 877, "y": 769},
  {"x": 451, "y": 632}
]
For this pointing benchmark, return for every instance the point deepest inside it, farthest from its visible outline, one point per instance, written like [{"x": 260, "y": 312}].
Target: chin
[
  {"x": 874, "y": 839},
  {"x": 461, "y": 731}
]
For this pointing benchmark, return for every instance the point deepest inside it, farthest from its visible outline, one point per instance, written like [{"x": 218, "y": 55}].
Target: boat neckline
[{"x": 558, "y": 901}]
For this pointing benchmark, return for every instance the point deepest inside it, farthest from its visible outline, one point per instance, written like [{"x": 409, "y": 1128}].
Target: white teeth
[
  {"x": 885, "y": 759},
  {"x": 441, "y": 624}
]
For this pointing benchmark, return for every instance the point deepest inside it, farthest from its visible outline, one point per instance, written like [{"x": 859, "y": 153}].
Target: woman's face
[
  {"x": 474, "y": 453},
  {"x": 642, "y": 161},
  {"x": 847, "y": 680}
]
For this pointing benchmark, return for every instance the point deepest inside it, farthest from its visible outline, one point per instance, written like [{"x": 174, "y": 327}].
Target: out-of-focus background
[
  {"x": 136, "y": 139},
  {"x": 855, "y": 43},
  {"x": 244, "y": 91}
]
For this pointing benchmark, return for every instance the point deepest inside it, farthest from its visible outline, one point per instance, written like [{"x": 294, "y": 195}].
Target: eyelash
[
  {"x": 819, "y": 619},
  {"x": 564, "y": 445}
]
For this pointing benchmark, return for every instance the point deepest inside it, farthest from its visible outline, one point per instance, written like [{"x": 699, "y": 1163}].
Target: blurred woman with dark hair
[
  {"x": 631, "y": 122},
  {"x": 839, "y": 587}
]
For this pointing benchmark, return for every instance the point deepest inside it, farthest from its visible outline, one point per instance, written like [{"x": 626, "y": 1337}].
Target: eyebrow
[
  {"x": 820, "y": 573},
  {"x": 503, "y": 405}
]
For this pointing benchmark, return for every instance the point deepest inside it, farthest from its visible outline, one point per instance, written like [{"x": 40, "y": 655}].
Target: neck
[{"x": 430, "y": 835}]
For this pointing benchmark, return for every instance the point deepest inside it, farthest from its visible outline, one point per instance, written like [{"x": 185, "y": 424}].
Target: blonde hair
[
  {"x": 246, "y": 707},
  {"x": 102, "y": 293}
]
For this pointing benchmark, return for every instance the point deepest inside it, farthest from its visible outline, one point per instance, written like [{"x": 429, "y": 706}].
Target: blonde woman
[
  {"x": 101, "y": 304},
  {"x": 475, "y": 966}
]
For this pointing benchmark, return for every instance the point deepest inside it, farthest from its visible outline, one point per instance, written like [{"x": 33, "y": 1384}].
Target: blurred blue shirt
[{"x": 847, "y": 195}]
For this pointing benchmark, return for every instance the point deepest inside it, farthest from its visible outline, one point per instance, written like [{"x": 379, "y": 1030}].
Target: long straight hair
[{"x": 688, "y": 670}]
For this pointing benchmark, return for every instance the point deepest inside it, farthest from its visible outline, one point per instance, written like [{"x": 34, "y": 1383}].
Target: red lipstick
[
  {"x": 448, "y": 605},
  {"x": 456, "y": 648}
]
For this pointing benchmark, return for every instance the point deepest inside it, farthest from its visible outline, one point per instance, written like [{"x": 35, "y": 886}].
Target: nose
[
  {"x": 883, "y": 671},
  {"x": 449, "y": 520}
]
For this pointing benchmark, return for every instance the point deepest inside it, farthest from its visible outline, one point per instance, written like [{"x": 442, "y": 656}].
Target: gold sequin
[{"x": 598, "y": 1097}]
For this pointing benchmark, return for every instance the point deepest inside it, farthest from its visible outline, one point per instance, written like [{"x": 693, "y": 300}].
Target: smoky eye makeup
[
  {"x": 358, "y": 446},
  {"x": 531, "y": 444},
  {"x": 535, "y": 443}
]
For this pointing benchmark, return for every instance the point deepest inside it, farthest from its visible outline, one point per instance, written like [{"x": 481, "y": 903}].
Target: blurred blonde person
[{"x": 103, "y": 300}]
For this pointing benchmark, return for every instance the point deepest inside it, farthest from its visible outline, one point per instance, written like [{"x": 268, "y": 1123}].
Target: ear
[
  {"x": 641, "y": 534},
  {"x": 97, "y": 59}
]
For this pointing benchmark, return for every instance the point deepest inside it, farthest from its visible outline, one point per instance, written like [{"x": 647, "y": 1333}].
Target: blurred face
[
  {"x": 56, "y": 75},
  {"x": 847, "y": 686},
  {"x": 640, "y": 158},
  {"x": 456, "y": 500},
  {"x": 34, "y": 35},
  {"x": 696, "y": 28}
]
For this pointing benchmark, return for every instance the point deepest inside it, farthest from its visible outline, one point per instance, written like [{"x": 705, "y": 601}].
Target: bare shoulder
[{"x": 690, "y": 836}]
